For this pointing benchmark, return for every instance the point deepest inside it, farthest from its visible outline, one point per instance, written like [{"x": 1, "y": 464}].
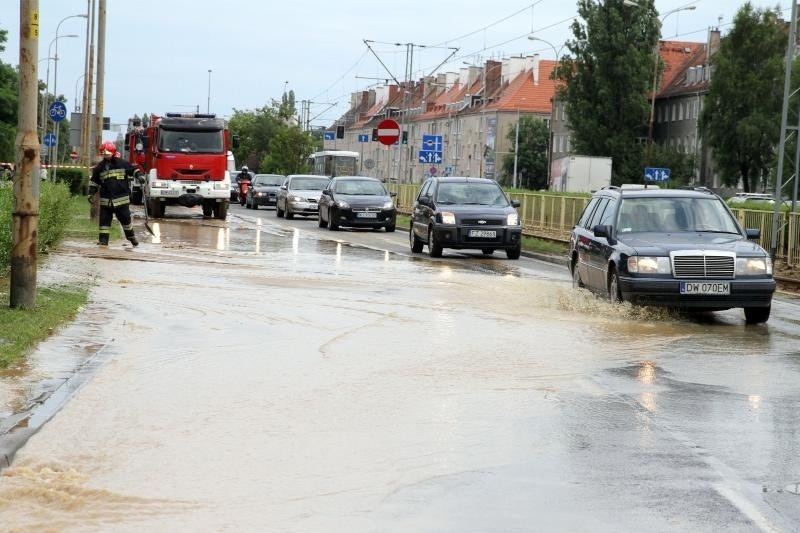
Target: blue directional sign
[
  {"x": 57, "y": 111},
  {"x": 432, "y": 143},
  {"x": 430, "y": 157},
  {"x": 363, "y": 138},
  {"x": 50, "y": 139},
  {"x": 656, "y": 174},
  {"x": 330, "y": 135}
]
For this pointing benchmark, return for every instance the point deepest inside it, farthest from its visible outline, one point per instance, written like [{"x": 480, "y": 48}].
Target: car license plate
[
  {"x": 483, "y": 233},
  {"x": 705, "y": 287},
  {"x": 367, "y": 215},
  {"x": 169, "y": 192}
]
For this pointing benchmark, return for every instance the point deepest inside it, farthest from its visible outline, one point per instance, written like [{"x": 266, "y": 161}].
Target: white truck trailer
[{"x": 580, "y": 173}]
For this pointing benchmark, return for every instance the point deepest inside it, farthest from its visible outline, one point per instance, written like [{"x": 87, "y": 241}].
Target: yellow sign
[{"x": 34, "y": 28}]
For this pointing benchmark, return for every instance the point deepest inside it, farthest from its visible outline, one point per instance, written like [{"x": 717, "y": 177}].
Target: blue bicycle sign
[{"x": 57, "y": 111}]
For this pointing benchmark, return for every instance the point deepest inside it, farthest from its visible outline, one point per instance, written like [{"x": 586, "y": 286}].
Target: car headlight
[
  {"x": 753, "y": 266},
  {"x": 448, "y": 217},
  {"x": 388, "y": 205},
  {"x": 649, "y": 265},
  {"x": 513, "y": 219},
  {"x": 160, "y": 184},
  {"x": 296, "y": 199},
  {"x": 221, "y": 186},
  {"x": 342, "y": 204},
  {"x": 261, "y": 194}
]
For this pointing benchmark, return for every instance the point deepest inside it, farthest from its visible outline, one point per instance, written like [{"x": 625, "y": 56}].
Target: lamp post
[
  {"x": 208, "y": 103},
  {"x": 44, "y": 96},
  {"x": 75, "y": 104},
  {"x": 516, "y": 152},
  {"x": 655, "y": 81},
  {"x": 47, "y": 79},
  {"x": 532, "y": 37}
]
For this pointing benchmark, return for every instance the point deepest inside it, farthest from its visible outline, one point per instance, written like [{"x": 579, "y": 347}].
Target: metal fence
[{"x": 554, "y": 216}]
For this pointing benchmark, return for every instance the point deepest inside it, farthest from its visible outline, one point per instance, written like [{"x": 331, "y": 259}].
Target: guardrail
[{"x": 553, "y": 217}]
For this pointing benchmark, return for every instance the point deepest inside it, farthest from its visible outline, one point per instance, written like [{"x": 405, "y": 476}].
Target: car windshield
[
  {"x": 467, "y": 193},
  {"x": 268, "y": 180},
  {"x": 360, "y": 187},
  {"x": 309, "y": 184},
  {"x": 675, "y": 215}
]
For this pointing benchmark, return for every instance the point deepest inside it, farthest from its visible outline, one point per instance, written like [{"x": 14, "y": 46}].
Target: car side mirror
[
  {"x": 424, "y": 200},
  {"x": 326, "y": 192},
  {"x": 284, "y": 187},
  {"x": 393, "y": 194},
  {"x": 753, "y": 233},
  {"x": 601, "y": 230},
  {"x": 515, "y": 203}
]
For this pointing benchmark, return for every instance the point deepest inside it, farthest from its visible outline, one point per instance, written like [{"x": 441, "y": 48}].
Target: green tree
[
  {"x": 606, "y": 81},
  {"x": 8, "y": 106},
  {"x": 681, "y": 165},
  {"x": 288, "y": 152},
  {"x": 743, "y": 107},
  {"x": 533, "y": 152}
]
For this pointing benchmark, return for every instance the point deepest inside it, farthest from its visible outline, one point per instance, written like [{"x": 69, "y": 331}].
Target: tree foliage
[
  {"x": 606, "y": 79},
  {"x": 743, "y": 107},
  {"x": 8, "y": 106},
  {"x": 270, "y": 141},
  {"x": 533, "y": 153}
]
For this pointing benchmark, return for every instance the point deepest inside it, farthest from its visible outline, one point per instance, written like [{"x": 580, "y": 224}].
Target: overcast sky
[{"x": 159, "y": 52}]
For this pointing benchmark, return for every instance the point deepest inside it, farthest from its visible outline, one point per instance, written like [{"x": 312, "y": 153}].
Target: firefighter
[{"x": 111, "y": 178}]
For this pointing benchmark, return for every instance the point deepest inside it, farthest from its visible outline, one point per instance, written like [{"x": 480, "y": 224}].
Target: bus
[{"x": 334, "y": 163}]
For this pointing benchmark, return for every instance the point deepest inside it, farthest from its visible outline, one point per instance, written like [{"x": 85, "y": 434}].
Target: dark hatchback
[
  {"x": 671, "y": 248},
  {"x": 357, "y": 201},
  {"x": 263, "y": 190},
  {"x": 465, "y": 213}
]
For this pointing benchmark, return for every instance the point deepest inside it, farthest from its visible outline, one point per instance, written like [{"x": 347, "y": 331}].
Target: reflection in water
[
  {"x": 647, "y": 372},
  {"x": 221, "y": 240},
  {"x": 258, "y": 238},
  {"x": 648, "y": 401},
  {"x": 156, "y": 237},
  {"x": 754, "y": 400},
  {"x": 386, "y": 256},
  {"x": 338, "y": 253},
  {"x": 296, "y": 241},
  {"x": 445, "y": 271}
]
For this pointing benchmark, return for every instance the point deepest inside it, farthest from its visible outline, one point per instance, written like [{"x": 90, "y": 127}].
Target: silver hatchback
[{"x": 299, "y": 195}]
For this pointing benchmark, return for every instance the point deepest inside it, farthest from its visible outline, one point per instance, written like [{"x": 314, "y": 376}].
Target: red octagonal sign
[{"x": 388, "y": 132}]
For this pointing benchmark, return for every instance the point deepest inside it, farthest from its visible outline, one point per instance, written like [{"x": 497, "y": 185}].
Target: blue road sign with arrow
[
  {"x": 432, "y": 143},
  {"x": 430, "y": 157},
  {"x": 330, "y": 135},
  {"x": 50, "y": 139},
  {"x": 363, "y": 138},
  {"x": 656, "y": 174},
  {"x": 57, "y": 111}
]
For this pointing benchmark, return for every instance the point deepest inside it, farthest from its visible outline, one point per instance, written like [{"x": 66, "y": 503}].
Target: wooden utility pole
[
  {"x": 101, "y": 72},
  {"x": 25, "y": 214},
  {"x": 87, "y": 149}
]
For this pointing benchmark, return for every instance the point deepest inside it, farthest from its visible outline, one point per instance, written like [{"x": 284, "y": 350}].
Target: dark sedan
[
  {"x": 465, "y": 213},
  {"x": 672, "y": 248},
  {"x": 357, "y": 201},
  {"x": 263, "y": 190}
]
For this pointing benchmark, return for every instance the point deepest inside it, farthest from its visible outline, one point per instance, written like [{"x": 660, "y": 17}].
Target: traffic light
[
  {"x": 106, "y": 123},
  {"x": 374, "y": 134},
  {"x": 340, "y": 132},
  {"x": 405, "y": 137}
]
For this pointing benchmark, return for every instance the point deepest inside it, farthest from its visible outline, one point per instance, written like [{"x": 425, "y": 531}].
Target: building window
[
  {"x": 569, "y": 139},
  {"x": 674, "y": 108}
]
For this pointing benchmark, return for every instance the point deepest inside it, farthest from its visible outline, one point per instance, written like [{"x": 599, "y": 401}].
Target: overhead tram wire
[
  {"x": 348, "y": 71},
  {"x": 531, "y": 6}
]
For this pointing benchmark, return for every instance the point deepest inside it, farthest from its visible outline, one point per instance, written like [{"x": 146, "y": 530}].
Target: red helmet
[{"x": 108, "y": 148}]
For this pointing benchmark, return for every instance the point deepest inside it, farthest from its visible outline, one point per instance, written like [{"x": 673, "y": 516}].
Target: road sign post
[{"x": 57, "y": 112}]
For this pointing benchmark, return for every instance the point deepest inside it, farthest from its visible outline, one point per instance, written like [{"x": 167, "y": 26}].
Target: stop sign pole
[{"x": 388, "y": 134}]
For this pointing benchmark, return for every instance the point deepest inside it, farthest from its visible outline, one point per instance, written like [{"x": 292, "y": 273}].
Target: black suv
[
  {"x": 678, "y": 248},
  {"x": 465, "y": 213}
]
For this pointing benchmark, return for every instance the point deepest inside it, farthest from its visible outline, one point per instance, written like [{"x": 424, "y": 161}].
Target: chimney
[
  {"x": 535, "y": 68},
  {"x": 713, "y": 42}
]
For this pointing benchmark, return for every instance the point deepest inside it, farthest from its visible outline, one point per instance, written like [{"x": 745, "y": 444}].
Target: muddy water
[{"x": 259, "y": 377}]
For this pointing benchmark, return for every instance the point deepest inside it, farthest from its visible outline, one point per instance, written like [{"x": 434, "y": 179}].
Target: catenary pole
[
  {"x": 25, "y": 214},
  {"x": 101, "y": 72}
]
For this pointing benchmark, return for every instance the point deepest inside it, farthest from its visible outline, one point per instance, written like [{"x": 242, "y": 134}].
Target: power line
[{"x": 490, "y": 25}]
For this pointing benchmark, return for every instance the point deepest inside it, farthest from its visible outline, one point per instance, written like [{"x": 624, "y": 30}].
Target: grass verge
[{"x": 21, "y": 330}]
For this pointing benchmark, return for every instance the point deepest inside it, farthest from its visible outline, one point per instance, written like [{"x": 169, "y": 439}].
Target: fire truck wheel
[
  {"x": 155, "y": 208},
  {"x": 208, "y": 209},
  {"x": 136, "y": 197},
  {"x": 221, "y": 210}
]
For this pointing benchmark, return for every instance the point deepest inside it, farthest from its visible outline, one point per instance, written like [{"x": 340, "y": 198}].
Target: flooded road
[{"x": 255, "y": 374}]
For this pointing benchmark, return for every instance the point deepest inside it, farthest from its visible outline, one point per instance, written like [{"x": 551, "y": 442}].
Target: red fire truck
[{"x": 184, "y": 158}]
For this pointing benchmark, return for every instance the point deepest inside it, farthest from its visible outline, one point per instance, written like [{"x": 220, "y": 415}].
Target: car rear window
[{"x": 309, "y": 184}]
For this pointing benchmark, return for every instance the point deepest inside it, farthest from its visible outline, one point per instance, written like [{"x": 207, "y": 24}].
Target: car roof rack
[
  {"x": 698, "y": 189},
  {"x": 609, "y": 187}
]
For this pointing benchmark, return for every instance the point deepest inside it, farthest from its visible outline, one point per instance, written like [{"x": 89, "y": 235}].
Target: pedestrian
[{"x": 110, "y": 178}]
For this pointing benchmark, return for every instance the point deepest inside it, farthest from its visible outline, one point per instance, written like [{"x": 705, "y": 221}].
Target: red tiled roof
[
  {"x": 523, "y": 94},
  {"x": 679, "y": 84},
  {"x": 674, "y": 55}
]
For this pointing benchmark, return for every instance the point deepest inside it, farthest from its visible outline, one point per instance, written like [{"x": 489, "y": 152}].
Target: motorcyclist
[{"x": 110, "y": 178}]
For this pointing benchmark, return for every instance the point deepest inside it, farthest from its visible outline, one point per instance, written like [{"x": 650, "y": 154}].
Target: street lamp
[
  {"x": 208, "y": 104},
  {"x": 47, "y": 79},
  {"x": 655, "y": 80},
  {"x": 75, "y": 104}
]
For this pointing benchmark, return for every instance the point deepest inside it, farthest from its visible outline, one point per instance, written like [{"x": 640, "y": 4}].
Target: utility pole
[
  {"x": 86, "y": 113},
  {"x": 516, "y": 152},
  {"x": 787, "y": 89},
  {"x": 101, "y": 72},
  {"x": 25, "y": 215}
]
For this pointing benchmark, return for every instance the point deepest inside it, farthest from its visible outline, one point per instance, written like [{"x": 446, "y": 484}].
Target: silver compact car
[{"x": 299, "y": 195}]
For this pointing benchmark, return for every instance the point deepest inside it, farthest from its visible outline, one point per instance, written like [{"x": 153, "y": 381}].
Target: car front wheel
[
  {"x": 515, "y": 252},
  {"x": 614, "y": 293},
  {"x": 321, "y": 222},
  {"x": 416, "y": 244},
  {"x": 434, "y": 248},
  {"x": 577, "y": 283}
]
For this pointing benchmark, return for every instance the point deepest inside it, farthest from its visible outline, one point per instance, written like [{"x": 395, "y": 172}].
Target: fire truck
[{"x": 184, "y": 161}]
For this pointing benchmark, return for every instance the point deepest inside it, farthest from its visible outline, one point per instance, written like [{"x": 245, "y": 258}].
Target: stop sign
[
  {"x": 73, "y": 155},
  {"x": 388, "y": 132}
]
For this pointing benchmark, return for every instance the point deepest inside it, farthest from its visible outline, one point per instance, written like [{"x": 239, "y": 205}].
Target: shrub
[
  {"x": 74, "y": 178},
  {"x": 53, "y": 218}
]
